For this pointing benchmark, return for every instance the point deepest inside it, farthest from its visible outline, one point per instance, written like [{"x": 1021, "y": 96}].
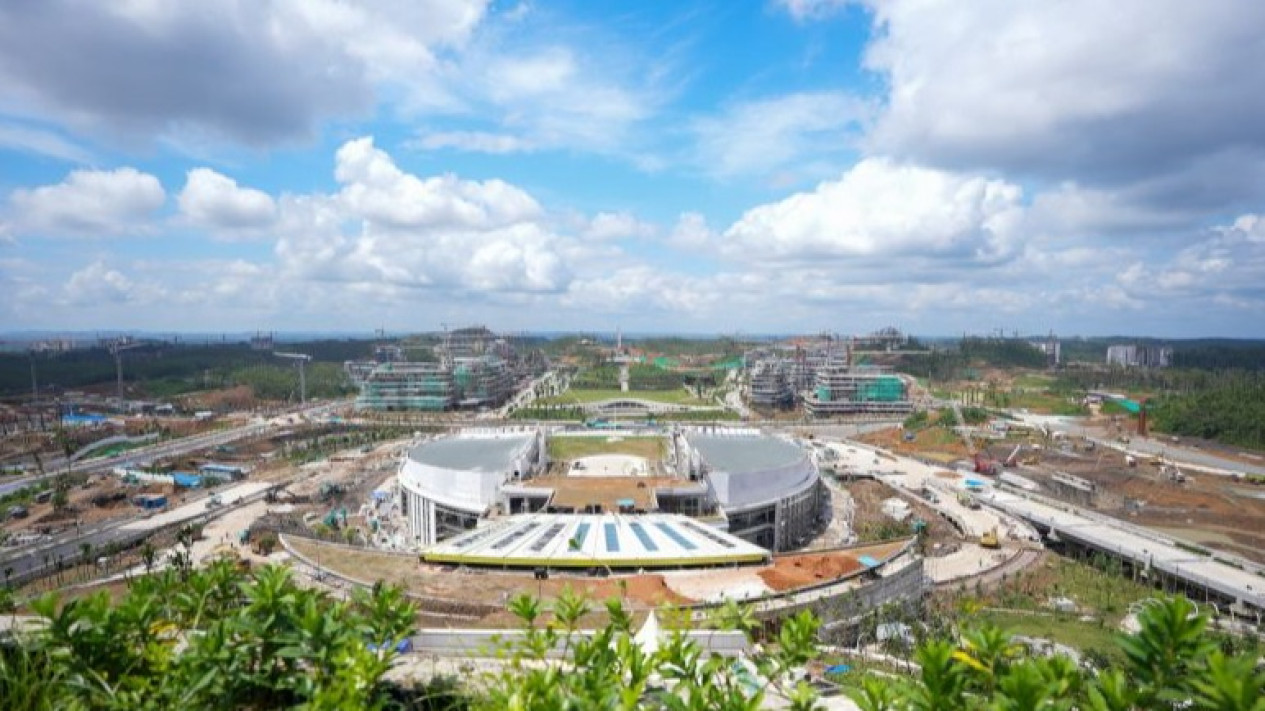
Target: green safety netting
[{"x": 886, "y": 388}]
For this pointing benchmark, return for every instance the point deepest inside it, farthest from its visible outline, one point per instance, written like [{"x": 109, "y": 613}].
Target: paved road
[
  {"x": 170, "y": 448},
  {"x": 69, "y": 546}
]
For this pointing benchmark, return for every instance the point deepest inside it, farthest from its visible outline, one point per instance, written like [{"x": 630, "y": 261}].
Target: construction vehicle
[
  {"x": 330, "y": 490},
  {"x": 1014, "y": 456},
  {"x": 989, "y": 539},
  {"x": 985, "y": 464}
]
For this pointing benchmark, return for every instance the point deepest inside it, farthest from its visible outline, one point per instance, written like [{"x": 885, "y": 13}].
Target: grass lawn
[
  {"x": 675, "y": 397},
  {"x": 1045, "y": 404},
  {"x": 1060, "y": 628},
  {"x": 1105, "y": 596},
  {"x": 1029, "y": 381},
  {"x": 565, "y": 449}
]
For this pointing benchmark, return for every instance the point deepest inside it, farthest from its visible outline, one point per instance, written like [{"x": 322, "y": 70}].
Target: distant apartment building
[
  {"x": 1052, "y": 349},
  {"x": 1140, "y": 356},
  {"x": 53, "y": 345}
]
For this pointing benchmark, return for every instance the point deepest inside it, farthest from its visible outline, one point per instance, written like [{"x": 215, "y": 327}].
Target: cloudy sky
[{"x": 1080, "y": 166}]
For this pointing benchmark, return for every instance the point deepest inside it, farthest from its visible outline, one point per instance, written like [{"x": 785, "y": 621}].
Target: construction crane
[
  {"x": 302, "y": 359},
  {"x": 116, "y": 350}
]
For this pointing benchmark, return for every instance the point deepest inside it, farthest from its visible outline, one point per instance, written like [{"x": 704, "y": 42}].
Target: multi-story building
[
  {"x": 467, "y": 382},
  {"x": 843, "y": 390},
  {"x": 1140, "y": 356},
  {"x": 408, "y": 386},
  {"x": 771, "y": 385}
]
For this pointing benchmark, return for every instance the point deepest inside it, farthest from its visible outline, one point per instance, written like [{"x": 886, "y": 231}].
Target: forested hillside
[
  {"x": 1230, "y": 409},
  {"x": 164, "y": 370}
]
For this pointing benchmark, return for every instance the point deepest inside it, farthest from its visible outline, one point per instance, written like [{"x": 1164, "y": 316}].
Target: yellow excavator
[{"x": 990, "y": 539}]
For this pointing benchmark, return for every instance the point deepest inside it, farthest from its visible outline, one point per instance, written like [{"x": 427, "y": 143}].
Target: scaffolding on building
[
  {"x": 842, "y": 390},
  {"x": 771, "y": 385}
]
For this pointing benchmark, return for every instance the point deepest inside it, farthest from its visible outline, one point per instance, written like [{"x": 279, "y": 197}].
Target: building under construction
[
  {"x": 771, "y": 384},
  {"x": 474, "y": 382},
  {"x": 475, "y": 368},
  {"x": 820, "y": 372},
  {"x": 841, "y": 389}
]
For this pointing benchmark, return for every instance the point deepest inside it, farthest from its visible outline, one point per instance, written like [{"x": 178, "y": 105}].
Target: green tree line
[{"x": 165, "y": 370}]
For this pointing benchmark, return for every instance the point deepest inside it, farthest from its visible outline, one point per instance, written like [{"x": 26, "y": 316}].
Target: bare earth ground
[
  {"x": 1207, "y": 509},
  {"x": 869, "y": 496}
]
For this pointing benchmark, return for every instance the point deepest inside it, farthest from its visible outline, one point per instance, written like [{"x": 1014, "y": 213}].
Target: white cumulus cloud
[
  {"x": 1081, "y": 89},
  {"x": 388, "y": 227},
  {"x": 216, "y": 201},
  {"x": 880, "y": 208},
  {"x": 90, "y": 203},
  {"x": 378, "y": 190}
]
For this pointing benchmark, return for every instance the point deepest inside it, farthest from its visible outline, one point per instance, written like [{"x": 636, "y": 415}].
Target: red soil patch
[{"x": 788, "y": 574}]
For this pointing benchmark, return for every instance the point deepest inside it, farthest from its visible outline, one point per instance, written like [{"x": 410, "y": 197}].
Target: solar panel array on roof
[
  {"x": 511, "y": 538},
  {"x": 672, "y": 533},
  {"x": 547, "y": 536},
  {"x": 709, "y": 535},
  {"x": 473, "y": 538},
  {"x": 644, "y": 537},
  {"x": 585, "y": 540}
]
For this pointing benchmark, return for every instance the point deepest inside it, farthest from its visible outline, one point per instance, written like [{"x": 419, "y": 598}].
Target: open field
[
  {"x": 939, "y": 444},
  {"x": 1029, "y": 381},
  {"x": 679, "y": 396},
  {"x": 1021, "y": 606},
  {"x": 1057, "y": 627},
  {"x": 566, "y": 449}
]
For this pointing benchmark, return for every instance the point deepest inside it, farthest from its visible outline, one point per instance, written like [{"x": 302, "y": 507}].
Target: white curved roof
[
  {"x": 750, "y": 469},
  {"x": 473, "y": 454},
  {"x": 465, "y": 471},
  {"x": 745, "y": 454}
]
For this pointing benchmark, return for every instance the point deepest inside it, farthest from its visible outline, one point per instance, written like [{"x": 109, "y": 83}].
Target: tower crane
[
  {"x": 302, "y": 359},
  {"x": 116, "y": 350}
]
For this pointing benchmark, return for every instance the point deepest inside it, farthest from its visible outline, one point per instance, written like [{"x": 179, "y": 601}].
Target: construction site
[
  {"x": 1157, "y": 491},
  {"x": 470, "y": 369},
  {"x": 828, "y": 376}
]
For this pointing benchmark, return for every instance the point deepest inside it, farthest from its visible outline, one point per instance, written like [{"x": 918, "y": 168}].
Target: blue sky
[{"x": 789, "y": 165}]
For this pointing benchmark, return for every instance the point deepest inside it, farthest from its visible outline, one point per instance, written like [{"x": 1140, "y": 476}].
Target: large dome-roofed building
[
  {"x": 768, "y": 487},
  {"x": 763, "y": 489},
  {"x": 449, "y": 483}
]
